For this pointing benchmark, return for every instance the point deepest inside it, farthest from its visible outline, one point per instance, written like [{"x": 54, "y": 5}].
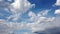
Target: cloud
[
  {"x": 54, "y": 30},
  {"x": 4, "y": 28},
  {"x": 41, "y": 24},
  {"x": 16, "y": 8},
  {"x": 38, "y": 17},
  {"x": 32, "y": 15},
  {"x": 51, "y": 27},
  {"x": 57, "y": 11},
  {"x": 57, "y": 3},
  {"x": 39, "y": 21},
  {"x": 19, "y": 7}
]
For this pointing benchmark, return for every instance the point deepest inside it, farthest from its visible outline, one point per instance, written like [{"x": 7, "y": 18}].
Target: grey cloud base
[{"x": 55, "y": 30}]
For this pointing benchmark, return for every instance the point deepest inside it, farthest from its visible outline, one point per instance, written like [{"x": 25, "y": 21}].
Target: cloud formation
[
  {"x": 39, "y": 21},
  {"x": 57, "y": 2},
  {"x": 57, "y": 11},
  {"x": 19, "y": 7},
  {"x": 41, "y": 24}
]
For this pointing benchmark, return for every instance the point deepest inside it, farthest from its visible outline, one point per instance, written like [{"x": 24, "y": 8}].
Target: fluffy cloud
[
  {"x": 16, "y": 8},
  {"x": 58, "y": 2},
  {"x": 38, "y": 17},
  {"x": 41, "y": 25},
  {"x": 32, "y": 15},
  {"x": 19, "y": 7},
  {"x": 57, "y": 11},
  {"x": 39, "y": 21},
  {"x": 50, "y": 27}
]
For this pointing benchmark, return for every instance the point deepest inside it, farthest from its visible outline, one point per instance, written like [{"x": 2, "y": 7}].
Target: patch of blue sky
[
  {"x": 23, "y": 31},
  {"x": 44, "y": 5}
]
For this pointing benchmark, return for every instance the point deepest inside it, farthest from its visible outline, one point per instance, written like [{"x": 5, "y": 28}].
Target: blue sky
[
  {"x": 29, "y": 13},
  {"x": 39, "y": 6}
]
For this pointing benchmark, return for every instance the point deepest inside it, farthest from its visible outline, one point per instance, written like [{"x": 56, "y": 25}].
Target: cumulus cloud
[
  {"x": 57, "y": 11},
  {"x": 38, "y": 17},
  {"x": 32, "y": 15},
  {"x": 57, "y": 2},
  {"x": 39, "y": 21},
  {"x": 41, "y": 24},
  {"x": 16, "y": 8},
  {"x": 19, "y": 7},
  {"x": 51, "y": 27}
]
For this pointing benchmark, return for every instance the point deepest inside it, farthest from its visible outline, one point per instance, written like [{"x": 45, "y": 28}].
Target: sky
[{"x": 29, "y": 16}]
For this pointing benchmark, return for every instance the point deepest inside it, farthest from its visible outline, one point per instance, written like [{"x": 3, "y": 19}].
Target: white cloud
[
  {"x": 26, "y": 33},
  {"x": 39, "y": 21},
  {"x": 38, "y": 17},
  {"x": 43, "y": 12},
  {"x": 57, "y": 11},
  {"x": 40, "y": 25},
  {"x": 57, "y": 2},
  {"x": 34, "y": 26},
  {"x": 19, "y": 7},
  {"x": 43, "y": 23},
  {"x": 32, "y": 15}
]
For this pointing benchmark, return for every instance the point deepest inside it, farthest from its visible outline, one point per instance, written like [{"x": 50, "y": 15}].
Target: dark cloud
[{"x": 55, "y": 30}]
